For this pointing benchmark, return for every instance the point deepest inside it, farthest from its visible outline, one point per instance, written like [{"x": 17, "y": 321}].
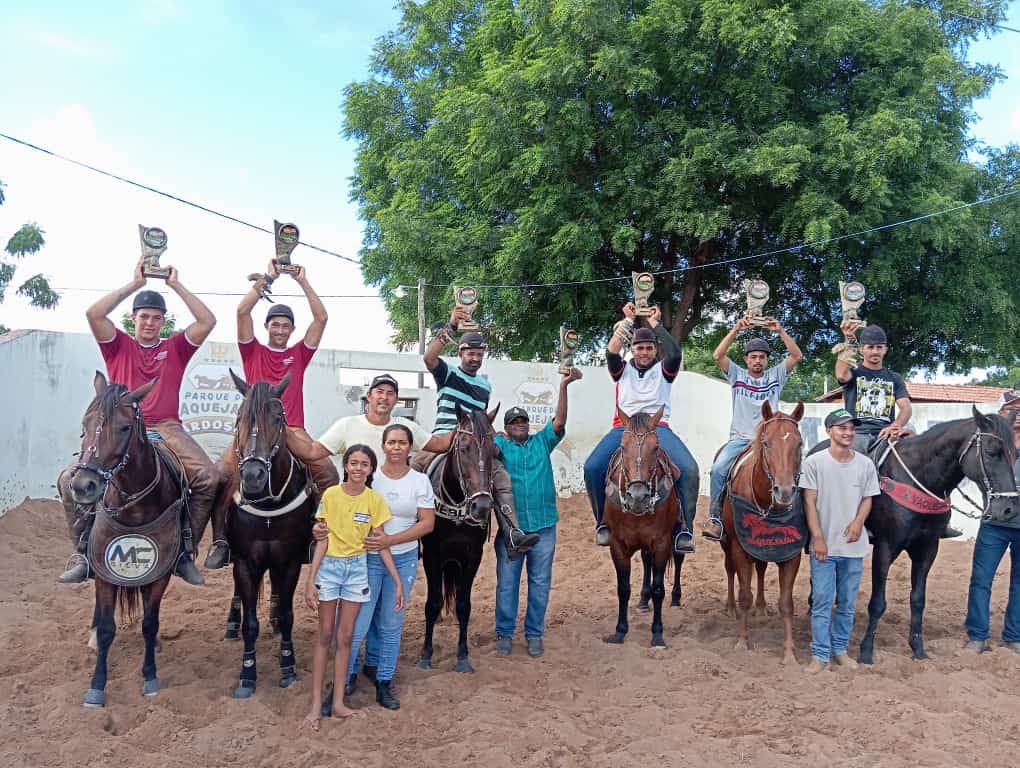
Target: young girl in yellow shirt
[{"x": 351, "y": 511}]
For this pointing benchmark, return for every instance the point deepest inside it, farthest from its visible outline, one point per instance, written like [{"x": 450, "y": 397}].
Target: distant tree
[
  {"x": 28, "y": 239},
  {"x": 1002, "y": 377},
  {"x": 168, "y": 329}
]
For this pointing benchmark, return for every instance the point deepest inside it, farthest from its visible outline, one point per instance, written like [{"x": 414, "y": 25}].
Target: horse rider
[
  {"x": 643, "y": 385},
  {"x": 749, "y": 387},
  {"x": 134, "y": 361},
  {"x": 271, "y": 362},
  {"x": 464, "y": 386}
]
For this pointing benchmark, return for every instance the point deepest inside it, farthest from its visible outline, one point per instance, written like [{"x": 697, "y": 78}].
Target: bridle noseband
[
  {"x": 625, "y": 482},
  {"x": 989, "y": 491},
  {"x": 762, "y": 452},
  {"x": 265, "y": 461},
  {"x": 459, "y": 512}
]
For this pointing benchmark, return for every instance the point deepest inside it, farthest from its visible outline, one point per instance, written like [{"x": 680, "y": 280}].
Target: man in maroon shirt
[
  {"x": 137, "y": 361},
  {"x": 271, "y": 362}
]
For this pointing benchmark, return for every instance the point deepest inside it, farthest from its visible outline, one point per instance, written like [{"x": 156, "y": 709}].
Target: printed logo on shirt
[
  {"x": 161, "y": 355},
  {"x": 362, "y": 517},
  {"x": 874, "y": 398},
  {"x": 288, "y": 360}
]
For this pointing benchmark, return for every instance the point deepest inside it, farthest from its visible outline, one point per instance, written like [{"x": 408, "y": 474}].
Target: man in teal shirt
[{"x": 526, "y": 458}]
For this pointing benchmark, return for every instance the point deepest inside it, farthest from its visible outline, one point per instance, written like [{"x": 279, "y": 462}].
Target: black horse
[
  {"x": 980, "y": 448},
  {"x": 451, "y": 554},
  {"x": 269, "y": 522}
]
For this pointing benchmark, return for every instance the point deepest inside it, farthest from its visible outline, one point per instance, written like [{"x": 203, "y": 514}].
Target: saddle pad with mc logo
[{"x": 133, "y": 556}]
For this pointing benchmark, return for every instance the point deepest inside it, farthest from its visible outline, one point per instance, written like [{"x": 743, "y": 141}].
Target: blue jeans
[
  {"x": 597, "y": 464},
  {"x": 721, "y": 469},
  {"x": 539, "y": 560},
  {"x": 378, "y": 621},
  {"x": 838, "y": 578},
  {"x": 989, "y": 547}
]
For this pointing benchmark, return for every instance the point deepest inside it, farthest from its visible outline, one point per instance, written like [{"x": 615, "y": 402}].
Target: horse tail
[
  {"x": 450, "y": 573},
  {"x": 127, "y": 600}
]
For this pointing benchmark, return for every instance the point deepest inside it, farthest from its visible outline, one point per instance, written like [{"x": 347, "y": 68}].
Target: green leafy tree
[
  {"x": 541, "y": 141},
  {"x": 1002, "y": 377},
  {"x": 165, "y": 332},
  {"x": 27, "y": 240}
]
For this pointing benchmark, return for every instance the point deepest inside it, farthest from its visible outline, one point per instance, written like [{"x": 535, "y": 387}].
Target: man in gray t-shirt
[{"x": 749, "y": 388}]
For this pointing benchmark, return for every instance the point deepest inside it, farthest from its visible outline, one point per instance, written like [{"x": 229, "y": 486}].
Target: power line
[
  {"x": 242, "y": 293},
  {"x": 982, "y": 21},
  {"x": 147, "y": 188}
]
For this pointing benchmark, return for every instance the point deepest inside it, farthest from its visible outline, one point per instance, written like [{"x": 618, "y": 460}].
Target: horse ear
[
  {"x": 139, "y": 394},
  {"x": 99, "y": 383},
  {"x": 493, "y": 412},
  {"x": 979, "y": 418},
  {"x": 798, "y": 412},
  {"x": 658, "y": 415},
  {"x": 624, "y": 418},
  {"x": 278, "y": 390},
  {"x": 241, "y": 384},
  {"x": 766, "y": 410}
]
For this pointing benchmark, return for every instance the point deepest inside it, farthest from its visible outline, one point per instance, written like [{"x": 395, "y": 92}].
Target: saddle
[{"x": 668, "y": 472}]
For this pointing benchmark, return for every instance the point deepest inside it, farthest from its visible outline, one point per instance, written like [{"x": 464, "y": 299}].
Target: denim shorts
[{"x": 343, "y": 578}]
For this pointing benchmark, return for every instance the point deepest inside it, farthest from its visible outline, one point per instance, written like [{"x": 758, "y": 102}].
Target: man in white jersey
[
  {"x": 749, "y": 387},
  {"x": 643, "y": 385}
]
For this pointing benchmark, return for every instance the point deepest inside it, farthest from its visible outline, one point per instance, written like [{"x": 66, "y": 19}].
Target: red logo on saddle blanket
[
  {"x": 913, "y": 499},
  {"x": 761, "y": 534}
]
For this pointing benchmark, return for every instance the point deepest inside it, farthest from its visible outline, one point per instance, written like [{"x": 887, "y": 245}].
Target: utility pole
[{"x": 421, "y": 328}]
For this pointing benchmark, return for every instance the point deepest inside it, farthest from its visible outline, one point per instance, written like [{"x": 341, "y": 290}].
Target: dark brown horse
[
  {"x": 766, "y": 475},
  {"x": 451, "y": 554},
  {"x": 269, "y": 522},
  {"x": 139, "y": 498},
  {"x": 641, "y": 507}
]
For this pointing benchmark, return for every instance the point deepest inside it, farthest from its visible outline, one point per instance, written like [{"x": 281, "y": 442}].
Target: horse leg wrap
[
  {"x": 287, "y": 666},
  {"x": 234, "y": 618},
  {"x": 248, "y": 672},
  {"x": 274, "y": 613}
]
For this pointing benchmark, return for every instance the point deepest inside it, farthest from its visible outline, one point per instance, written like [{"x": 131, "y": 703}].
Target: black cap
[
  {"x": 384, "y": 378},
  {"x": 280, "y": 310},
  {"x": 643, "y": 336},
  {"x": 757, "y": 345},
  {"x": 515, "y": 413},
  {"x": 472, "y": 340},
  {"x": 841, "y": 416},
  {"x": 873, "y": 334},
  {"x": 148, "y": 300}
]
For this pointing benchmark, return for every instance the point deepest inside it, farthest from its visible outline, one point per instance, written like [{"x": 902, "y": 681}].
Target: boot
[
  {"x": 949, "y": 532},
  {"x": 683, "y": 541},
  {"x": 188, "y": 571},
  {"x": 77, "y": 570},
  {"x": 219, "y": 555},
  {"x": 712, "y": 529},
  {"x": 384, "y": 695},
  {"x": 369, "y": 671},
  {"x": 518, "y": 542},
  {"x": 352, "y": 685}
]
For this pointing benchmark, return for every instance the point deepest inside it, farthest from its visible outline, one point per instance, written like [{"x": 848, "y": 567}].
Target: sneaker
[
  {"x": 219, "y": 556},
  {"x": 535, "y": 647},
  {"x": 842, "y": 660},
  {"x": 77, "y": 570},
  {"x": 816, "y": 666},
  {"x": 602, "y": 536},
  {"x": 1015, "y": 647},
  {"x": 976, "y": 646},
  {"x": 712, "y": 529},
  {"x": 188, "y": 571},
  {"x": 503, "y": 645}
]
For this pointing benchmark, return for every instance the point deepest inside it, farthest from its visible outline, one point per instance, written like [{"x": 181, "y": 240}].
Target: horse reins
[
  {"x": 651, "y": 486},
  {"x": 266, "y": 461},
  {"x": 458, "y": 512}
]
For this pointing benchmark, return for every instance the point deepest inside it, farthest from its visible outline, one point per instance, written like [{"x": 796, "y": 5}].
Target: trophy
[
  {"x": 644, "y": 284},
  {"x": 757, "y": 294},
  {"x": 852, "y": 296},
  {"x": 568, "y": 345},
  {"x": 153, "y": 244},
  {"x": 286, "y": 241},
  {"x": 466, "y": 298}
]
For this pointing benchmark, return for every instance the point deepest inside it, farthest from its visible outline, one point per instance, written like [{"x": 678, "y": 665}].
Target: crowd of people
[{"x": 372, "y": 514}]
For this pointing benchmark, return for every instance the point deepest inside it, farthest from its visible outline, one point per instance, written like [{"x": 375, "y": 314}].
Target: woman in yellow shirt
[{"x": 351, "y": 511}]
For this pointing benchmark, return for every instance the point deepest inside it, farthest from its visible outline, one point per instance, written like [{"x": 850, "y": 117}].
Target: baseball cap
[
  {"x": 757, "y": 345},
  {"x": 643, "y": 336},
  {"x": 873, "y": 334},
  {"x": 841, "y": 416},
  {"x": 472, "y": 340},
  {"x": 384, "y": 378},
  {"x": 515, "y": 413},
  {"x": 280, "y": 310},
  {"x": 148, "y": 300}
]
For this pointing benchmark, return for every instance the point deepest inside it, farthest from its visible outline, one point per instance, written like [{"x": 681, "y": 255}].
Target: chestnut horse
[
  {"x": 765, "y": 474},
  {"x": 641, "y": 507}
]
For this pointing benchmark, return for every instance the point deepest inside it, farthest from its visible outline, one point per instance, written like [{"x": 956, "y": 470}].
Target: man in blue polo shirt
[{"x": 526, "y": 458}]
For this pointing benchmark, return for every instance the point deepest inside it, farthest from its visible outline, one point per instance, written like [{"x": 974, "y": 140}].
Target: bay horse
[
  {"x": 766, "y": 474},
  {"x": 934, "y": 463},
  {"x": 269, "y": 521},
  {"x": 452, "y": 552},
  {"x": 641, "y": 507},
  {"x": 139, "y": 496}
]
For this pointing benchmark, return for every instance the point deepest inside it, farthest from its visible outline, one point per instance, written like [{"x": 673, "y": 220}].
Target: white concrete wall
[{"x": 47, "y": 384}]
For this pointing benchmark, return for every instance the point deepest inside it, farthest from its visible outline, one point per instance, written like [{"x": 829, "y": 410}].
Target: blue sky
[{"x": 235, "y": 105}]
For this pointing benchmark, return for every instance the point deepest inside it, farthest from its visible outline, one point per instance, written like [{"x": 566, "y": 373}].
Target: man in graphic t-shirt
[
  {"x": 270, "y": 363},
  {"x": 749, "y": 388}
]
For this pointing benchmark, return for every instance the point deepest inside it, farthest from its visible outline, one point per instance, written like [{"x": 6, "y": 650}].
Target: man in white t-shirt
[
  {"x": 749, "y": 388},
  {"x": 838, "y": 484}
]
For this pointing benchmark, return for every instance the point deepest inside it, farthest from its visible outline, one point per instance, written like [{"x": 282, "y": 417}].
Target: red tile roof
[{"x": 938, "y": 393}]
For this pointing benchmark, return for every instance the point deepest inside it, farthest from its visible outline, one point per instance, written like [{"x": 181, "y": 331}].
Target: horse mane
[
  {"x": 255, "y": 402},
  {"x": 108, "y": 399},
  {"x": 642, "y": 421}
]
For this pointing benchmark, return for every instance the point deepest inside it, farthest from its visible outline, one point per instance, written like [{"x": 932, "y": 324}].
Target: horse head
[
  {"x": 111, "y": 428},
  {"x": 470, "y": 459},
  {"x": 639, "y": 455},
  {"x": 780, "y": 448},
  {"x": 988, "y": 460},
  {"x": 259, "y": 434}
]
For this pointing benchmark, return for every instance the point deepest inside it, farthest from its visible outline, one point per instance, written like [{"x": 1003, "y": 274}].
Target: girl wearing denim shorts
[{"x": 351, "y": 511}]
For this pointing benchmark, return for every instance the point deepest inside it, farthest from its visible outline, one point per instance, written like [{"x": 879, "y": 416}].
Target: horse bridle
[
  {"x": 266, "y": 461},
  {"x": 989, "y": 490},
  {"x": 625, "y": 483},
  {"x": 764, "y": 455},
  {"x": 458, "y": 512}
]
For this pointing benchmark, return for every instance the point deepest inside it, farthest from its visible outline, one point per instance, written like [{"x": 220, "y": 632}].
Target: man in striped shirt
[{"x": 750, "y": 387}]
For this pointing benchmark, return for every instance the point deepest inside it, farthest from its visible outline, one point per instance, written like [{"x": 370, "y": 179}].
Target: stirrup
[
  {"x": 76, "y": 559},
  {"x": 602, "y": 535},
  {"x": 712, "y": 536},
  {"x": 683, "y": 542}
]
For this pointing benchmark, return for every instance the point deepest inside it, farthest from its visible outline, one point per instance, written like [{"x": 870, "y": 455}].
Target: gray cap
[
  {"x": 515, "y": 413},
  {"x": 148, "y": 300},
  {"x": 384, "y": 379},
  {"x": 280, "y": 310},
  {"x": 643, "y": 336},
  {"x": 757, "y": 345},
  {"x": 472, "y": 340},
  {"x": 873, "y": 334}
]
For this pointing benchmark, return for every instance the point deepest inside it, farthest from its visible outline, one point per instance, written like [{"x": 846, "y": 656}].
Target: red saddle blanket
[{"x": 913, "y": 498}]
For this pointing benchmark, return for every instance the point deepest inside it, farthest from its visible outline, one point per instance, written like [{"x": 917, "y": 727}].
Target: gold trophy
[
  {"x": 286, "y": 241},
  {"x": 568, "y": 346},
  {"x": 153, "y": 244},
  {"x": 852, "y": 296},
  {"x": 467, "y": 299},
  {"x": 644, "y": 284},
  {"x": 757, "y": 292}
]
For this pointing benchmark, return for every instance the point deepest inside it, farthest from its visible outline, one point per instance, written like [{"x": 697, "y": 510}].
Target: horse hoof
[
  {"x": 865, "y": 657},
  {"x": 463, "y": 665},
  {"x": 921, "y": 655},
  {"x": 424, "y": 664},
  {"x": 643, "y": 607},
  {"x": 94, "y": 699},
  {"x": 615, "y": 639},
  {"x": 231, "y": 634},
  {"x": 151, "y": 687},
  {"x": 658, "y": 643},
  {"x": 287, "y": 681},
  {"x": 244, "y": 691},
  {"x": 675, "y": 602}
]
